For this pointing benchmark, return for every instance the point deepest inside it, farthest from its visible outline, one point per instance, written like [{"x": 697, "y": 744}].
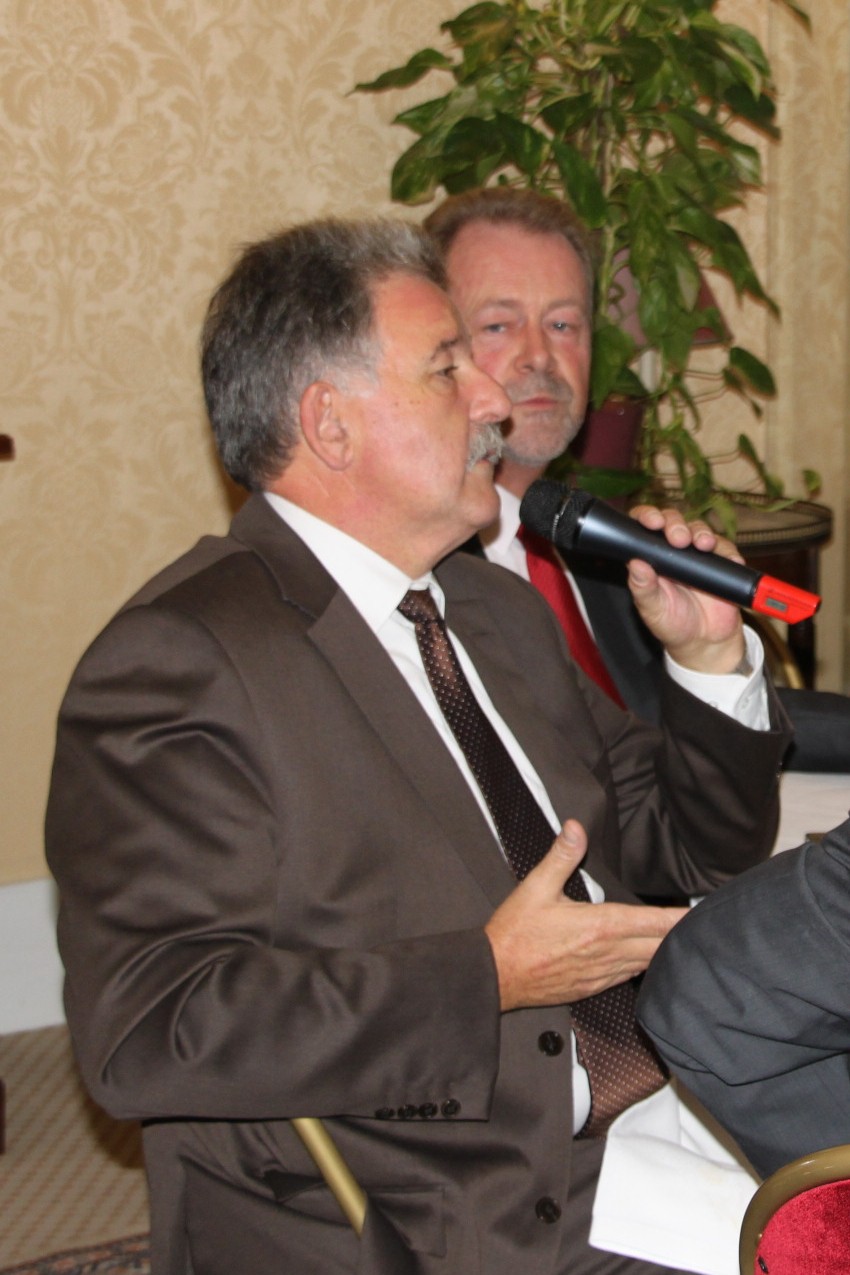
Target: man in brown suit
[{"x": 282, "y": 893}]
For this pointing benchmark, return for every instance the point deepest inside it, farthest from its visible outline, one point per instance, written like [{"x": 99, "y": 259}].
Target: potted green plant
[{"x": 626, "y": 108}]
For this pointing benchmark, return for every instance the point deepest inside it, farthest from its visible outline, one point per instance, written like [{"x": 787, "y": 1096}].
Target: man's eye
[
  {"x": 494, "y": 327},
  {"x": 448, "y": 371}
]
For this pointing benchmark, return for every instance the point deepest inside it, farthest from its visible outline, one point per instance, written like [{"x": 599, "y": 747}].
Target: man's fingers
[{"x": 647, "y": 922}]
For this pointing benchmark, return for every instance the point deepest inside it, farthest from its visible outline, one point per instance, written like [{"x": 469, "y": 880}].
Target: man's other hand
[{"x": 551, "y": 950}]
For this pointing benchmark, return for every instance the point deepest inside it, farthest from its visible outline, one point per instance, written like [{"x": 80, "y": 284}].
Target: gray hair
[
  {"x": 295, "y": 307},
  {"x": 511, "y": 205}
]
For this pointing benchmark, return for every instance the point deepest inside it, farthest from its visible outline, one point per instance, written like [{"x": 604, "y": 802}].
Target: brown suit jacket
[{"x": 273, "y": 884}]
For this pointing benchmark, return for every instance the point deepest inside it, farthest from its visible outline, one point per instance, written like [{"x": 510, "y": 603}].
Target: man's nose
[
  {"x": 488, "y": 401},
  {"x": 535, "y": 352}
]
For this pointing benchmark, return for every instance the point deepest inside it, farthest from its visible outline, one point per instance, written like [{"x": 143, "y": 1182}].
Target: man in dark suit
[
  {"x": 284, "y": 893},
  {"x": 749, "y": 1002},
  {"x": 520, "y": 271}
]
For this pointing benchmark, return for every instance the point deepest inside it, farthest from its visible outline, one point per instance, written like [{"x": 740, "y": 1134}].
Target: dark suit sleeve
[
  {"x": 202, "y": 979},
  {"x": 820, "y": 719},
  {"x": 748, "y": 998},
  {"x": 695, "y": 799},
  {"x": 821, "y": 722}
]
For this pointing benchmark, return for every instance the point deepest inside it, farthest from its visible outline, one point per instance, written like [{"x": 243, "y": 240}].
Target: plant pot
[{"x": 609, "y": 436}]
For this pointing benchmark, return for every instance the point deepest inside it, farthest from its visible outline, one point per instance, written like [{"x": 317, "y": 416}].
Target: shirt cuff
[{"x": 742, "y": 697}]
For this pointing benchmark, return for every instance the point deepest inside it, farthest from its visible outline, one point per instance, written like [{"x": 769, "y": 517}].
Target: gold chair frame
[{"x": 818, "y": 1169}]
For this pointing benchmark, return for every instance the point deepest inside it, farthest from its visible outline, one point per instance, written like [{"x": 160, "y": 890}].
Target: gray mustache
[
  {"x": 488, "y": 441},
  {"x": 539, "y": 383}
]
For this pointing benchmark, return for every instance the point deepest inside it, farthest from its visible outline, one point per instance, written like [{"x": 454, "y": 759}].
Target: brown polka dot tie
[{"x": 619, "y": 1060}]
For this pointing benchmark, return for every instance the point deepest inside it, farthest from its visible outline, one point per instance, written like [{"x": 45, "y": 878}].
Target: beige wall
[
  {"x": 141, "y": 141},
  {"x": 797, "y": 232}
]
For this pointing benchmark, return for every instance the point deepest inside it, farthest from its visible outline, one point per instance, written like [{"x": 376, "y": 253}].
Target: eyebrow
[
  {"x": 512, "y": 303},
  {"x": 448, "y": 346}
]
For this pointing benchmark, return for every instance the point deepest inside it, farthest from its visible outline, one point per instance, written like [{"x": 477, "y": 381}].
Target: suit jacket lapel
[
  {"x": 560, "y": 764},
  {"x": 370, "y": 678}
]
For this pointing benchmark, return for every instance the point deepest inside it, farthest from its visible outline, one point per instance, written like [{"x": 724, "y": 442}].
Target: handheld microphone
[{"x": 574, "y": 520}]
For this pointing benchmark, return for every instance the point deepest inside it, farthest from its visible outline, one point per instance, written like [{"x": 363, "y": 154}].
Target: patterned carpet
[
  {"x": 71, "y": 1178},
  {"x": 120, "y": 1257}
]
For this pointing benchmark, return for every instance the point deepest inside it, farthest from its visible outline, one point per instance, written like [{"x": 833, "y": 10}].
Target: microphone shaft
[
  {"x": 720, "y": 577},
  {"x": 574, "y": 520}
]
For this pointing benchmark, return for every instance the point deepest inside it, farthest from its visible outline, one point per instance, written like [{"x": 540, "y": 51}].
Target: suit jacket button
[
  {"x": 428, "y": 1110},
  {"x": 450, "y": 1107},
  {"x": 547, "y": 1210},
  {"x": 550, "y": 1043},
  {"x": 407, "y": 1112},
  {"x": 385, "y": 1113}
]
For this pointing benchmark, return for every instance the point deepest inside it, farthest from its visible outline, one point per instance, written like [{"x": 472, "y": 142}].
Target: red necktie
[
  {"x": 547, "y": 575},
  {"x": 620, "y": 1061}
]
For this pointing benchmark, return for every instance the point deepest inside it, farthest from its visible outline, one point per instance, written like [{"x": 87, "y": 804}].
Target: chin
[
  {"x": 539, "y": 438},
  {"x": 485, "y": 509}
]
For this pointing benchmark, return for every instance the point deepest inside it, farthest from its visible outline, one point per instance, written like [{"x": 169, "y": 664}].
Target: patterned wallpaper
[{"x": 141, "y": 142}]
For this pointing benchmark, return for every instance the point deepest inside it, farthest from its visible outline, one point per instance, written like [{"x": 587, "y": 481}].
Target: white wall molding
[{"x": 30, "y": 969}]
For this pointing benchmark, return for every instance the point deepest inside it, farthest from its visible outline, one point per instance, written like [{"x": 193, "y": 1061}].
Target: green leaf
[
  {"x": 747, "y": 449},
  {"x": 581, "y": 185},
  {"x": 696, "y": 223},
  {"x": 730, "y": 255},
  {"x": 747, "y": 163},
  {"x": 424, "y": 117},
  {"x": 569, "y": 113},
  {"x": 480, "y": 22},
  {"x": 609, "y": 483},
  {"x": 416, "y": 174},
  {"x": 470, "y": 140},
  {"x": 684, "y": 133},
  {"x": 755, "y": 373},
  {"x": 725, "y": 513},
  {"x": 633, "y": 59},
  {"x": 403, "y": 76},
  {"x": 759, "y": 111},
  {"x": 811, "y": 481},
  {"x": 483, "y": 32},
  {"x": 613, "y": 350},
  {"x": 648, "y": 93},
  {"x": 524, "y": 146},
  {"x": 746, "y": 43},
  {"x": 628, "y": 384},
  {"x": 654, "y": 308},
  {"x": 471, "y": 178},
  {"x": 688, "y": 278},
  {"x": 801, "y": 13},
  {"x": 772, "y": 485}
]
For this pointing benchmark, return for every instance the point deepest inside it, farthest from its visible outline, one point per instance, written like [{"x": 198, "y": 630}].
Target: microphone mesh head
[{"x": 554, "y": 511}]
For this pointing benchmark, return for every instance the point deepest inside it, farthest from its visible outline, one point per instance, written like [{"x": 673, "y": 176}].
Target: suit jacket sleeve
[
  {"x": 232, "y": 943},
  {"x": 747, "y": 1000},
  {"x": 673, "y": 809}
]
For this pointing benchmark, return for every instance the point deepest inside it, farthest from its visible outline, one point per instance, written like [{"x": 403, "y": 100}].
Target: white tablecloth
[
  {"x": 810, "y": 804},
  {"x": 669, "y": 1176}
]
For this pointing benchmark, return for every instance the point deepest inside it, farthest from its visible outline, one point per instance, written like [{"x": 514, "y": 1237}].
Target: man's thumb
[{"x": 565, "y": 854}]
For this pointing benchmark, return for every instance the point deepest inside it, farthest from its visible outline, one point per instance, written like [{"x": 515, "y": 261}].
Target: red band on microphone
[{"x": 783, "y": 601}]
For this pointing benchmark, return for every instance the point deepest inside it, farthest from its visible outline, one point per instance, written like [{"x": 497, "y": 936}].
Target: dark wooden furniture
[{"x": 786, "y": 543}]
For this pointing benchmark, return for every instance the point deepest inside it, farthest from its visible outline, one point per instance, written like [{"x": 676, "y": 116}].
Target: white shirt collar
[{"x": 374, "y": 585}]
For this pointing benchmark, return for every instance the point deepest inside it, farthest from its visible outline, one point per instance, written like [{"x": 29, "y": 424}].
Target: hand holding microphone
[{"x": 574, "y": 520}]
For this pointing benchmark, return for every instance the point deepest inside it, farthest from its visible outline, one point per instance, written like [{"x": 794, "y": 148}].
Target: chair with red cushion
[{"x": 798, "y": 1222}]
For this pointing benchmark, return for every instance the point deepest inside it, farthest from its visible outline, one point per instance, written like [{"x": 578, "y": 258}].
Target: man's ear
[{"x": 323, "y": 424}]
